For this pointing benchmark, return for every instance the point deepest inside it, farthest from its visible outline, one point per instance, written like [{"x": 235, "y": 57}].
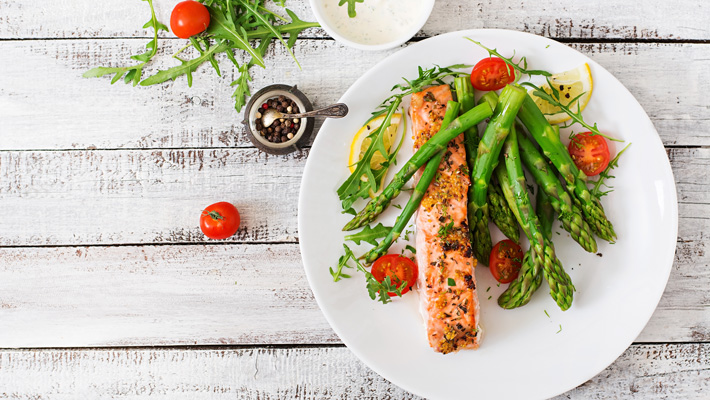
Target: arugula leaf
[
  {"x": 521, "y": 67},
  {"x": 596, "y": 190},
  {"x": 293, "y": 28},
  {"x": 255, "y": 13},
  {"x": 133, "y": 73},
  {"x": 554, "y": 99},
  {"x": 364, "y": 179},
  {"x": 222, "y": 26},
  {"x": 369, "y": 234},
  {"x": 377, "y": 290},
  {"x": 186, "y": 67},
  {"x": 234, "y": 23},
  {"x": 351, "y": 6}
]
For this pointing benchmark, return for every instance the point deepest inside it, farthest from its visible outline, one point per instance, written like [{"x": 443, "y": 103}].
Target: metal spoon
[{"x": 338, "y": 110}]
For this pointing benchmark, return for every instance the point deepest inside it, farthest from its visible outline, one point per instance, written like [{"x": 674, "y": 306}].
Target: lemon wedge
[
  {"x": 570, "y": 84},
  {"x": 361, "y": 141}
]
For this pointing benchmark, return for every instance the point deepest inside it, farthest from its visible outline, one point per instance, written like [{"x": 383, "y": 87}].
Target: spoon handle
[{"x": 338, "y": 110}]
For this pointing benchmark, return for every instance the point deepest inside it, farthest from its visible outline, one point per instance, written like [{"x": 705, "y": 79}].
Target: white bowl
[{"x": 318, "y": 11}]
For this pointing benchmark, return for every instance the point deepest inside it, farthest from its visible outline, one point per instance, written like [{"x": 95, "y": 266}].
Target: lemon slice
[
  {"x": 361, "y": 141},
  {"x": 570, "y": 84}
]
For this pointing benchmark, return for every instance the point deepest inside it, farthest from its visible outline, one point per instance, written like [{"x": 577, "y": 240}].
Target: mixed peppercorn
[{"x": 283, "y": 129}]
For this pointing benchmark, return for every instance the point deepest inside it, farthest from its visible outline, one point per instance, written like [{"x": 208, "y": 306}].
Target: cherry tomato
[
  {"x": 189, "y": 18},
  {"x": 491, "y": 74},
  {"x": 219, "y": 220},
  {"x": 506, "y": 260},
  {"x": 589, "y": 152},
  {"x": 398, "y": 268}
]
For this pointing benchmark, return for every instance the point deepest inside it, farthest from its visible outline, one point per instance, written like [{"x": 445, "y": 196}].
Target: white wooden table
[{"x": 109, "y": 290}]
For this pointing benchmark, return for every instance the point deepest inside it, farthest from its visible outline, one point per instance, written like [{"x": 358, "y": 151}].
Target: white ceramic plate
[{"x": 524, "y": 353}]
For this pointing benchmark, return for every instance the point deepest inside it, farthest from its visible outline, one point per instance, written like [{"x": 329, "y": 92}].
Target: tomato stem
[{"x": 214, "y": 215}]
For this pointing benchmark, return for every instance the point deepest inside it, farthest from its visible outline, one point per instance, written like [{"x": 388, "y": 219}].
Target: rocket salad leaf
[
  {"x": 235, "y": 25},
  {"x": 133, "y": 73},
  {"x": 377, "y": 290},
  {"x": 351, "y": 6}
]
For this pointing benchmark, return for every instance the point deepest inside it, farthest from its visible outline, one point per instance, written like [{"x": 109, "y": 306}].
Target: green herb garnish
[
  {"x": 351, "y": 6},
  {"x": 133, "y": 74},
  {"x": 554, "y": 99},
  {"x": 445, "y": 229},
  {"x": 596, "y": 190},
  {"x": 369, "y": 234},
  {"x": 234, "y": 25},
  {"x": 377, "y": 290},
  {"x": 521, "y": 67}
]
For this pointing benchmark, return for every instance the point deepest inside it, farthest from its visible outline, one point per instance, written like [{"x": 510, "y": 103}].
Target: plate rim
[{"x": 671, "y": 191}]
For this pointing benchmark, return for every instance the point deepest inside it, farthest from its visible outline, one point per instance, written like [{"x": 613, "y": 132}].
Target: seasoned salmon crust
[{"x": 446, "y": 281}]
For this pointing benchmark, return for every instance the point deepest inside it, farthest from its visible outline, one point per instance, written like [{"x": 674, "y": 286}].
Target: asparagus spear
[
  {"x": 569, "y": 214},
  {"x": 491, "y": 98},
  {"x": 529, "y": 279},
  {"x": 487, "y": 158},
  {"x": 543, "y": 252},
  {"x": 432, "y": 166},
  {"x": 500, "y": 213},
  {"x": 549, "y": 141},
  {"x": 545, "y": 212},
  {"x": 436, "y": 144}
]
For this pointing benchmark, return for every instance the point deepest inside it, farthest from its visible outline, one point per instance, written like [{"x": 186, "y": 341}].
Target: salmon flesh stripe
[{"x": 447, "y": 283}]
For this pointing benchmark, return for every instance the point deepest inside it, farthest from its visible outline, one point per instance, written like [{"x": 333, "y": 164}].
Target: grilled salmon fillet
[{"x": 447, "y": 284}]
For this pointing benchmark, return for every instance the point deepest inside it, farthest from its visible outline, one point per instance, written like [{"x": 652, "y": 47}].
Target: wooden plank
[
  {"x": 147, "y": 196},
  {"x": 156, "y": 196},
  {"x": 46, "y": 104},
  {"x": 603, "y": 19},
  {"x": 232, "y": 294},
  {"x": 164, "y": 295},
  {"x": 643, "y": 372}
]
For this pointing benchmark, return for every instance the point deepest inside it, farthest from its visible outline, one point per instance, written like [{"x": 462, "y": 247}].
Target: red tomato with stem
[
  {"x": 219, "y": 220},
  {"x": 189, "y": 18},
  {"x": 505, "y": 261},
  {"x": 491, "y": 74},
  {"x": 399, "y": 268},
  {"x": 589, "y": 152}
]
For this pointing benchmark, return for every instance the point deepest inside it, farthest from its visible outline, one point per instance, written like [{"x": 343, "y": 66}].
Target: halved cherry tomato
[
  {"x": 398, "y": 268},
  {"x": 189, "y": 18},
  {"x": 589, "y": 152},
  {"x": 506, "y": 260},
  {"x": 491, "y": 74},
  {"x": 219, "y": 220}
]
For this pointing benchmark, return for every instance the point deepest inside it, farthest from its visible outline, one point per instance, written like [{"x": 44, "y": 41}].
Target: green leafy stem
[
  {"x": 377, "y": 290},
  {"x": 133, "y": 73},
  {"x": 234, "y": 25},
  {"x": 554, "y": 99},
  {"x": 351, "y": 6}
]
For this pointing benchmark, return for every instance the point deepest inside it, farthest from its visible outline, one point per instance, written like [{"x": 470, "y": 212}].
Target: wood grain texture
[
  {"x": 642, "y": 372},
  {"x": 232, "y": 294},
  {"x": 53, "y": 107},
  {"x": 603, "y": 19},
  {"x": 155, "y": 296},
  {"x": 155, "y": 196},
  {"x": 148, "y": 196}
]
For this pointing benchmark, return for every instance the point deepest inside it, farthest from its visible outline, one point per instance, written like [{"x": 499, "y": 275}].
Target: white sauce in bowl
[{"x": 377, "y": 21}]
